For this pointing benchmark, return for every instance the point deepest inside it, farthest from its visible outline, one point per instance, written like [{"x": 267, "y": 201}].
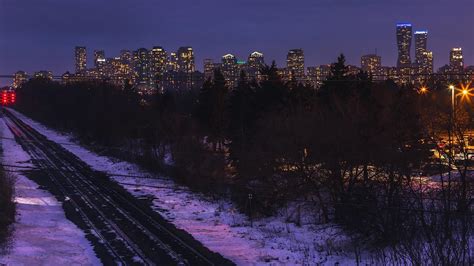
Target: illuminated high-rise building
[
  {"x": 209, "y": 67},
  {"x": 99, "y": 58},
  {"x": 421, "y": 44},
  {"x": 126, "y": 56},
  {"x": 230, "y": 70},
  {"x": 99, "y": 62},
  {"x": 404, "y": 36},
  {"x": 254, "y": 66},
  {"x": 426, "y": 63},
  {"x": 141, "y": 64},
  {"x": 80, "y": 59},
  {"x": 173, "y": 62},
  {"x": 186, "y": 60},
  {"x": 158, "y": 62},
  {"x": 19, "y": 79},
  {"x": 372, "y": 64},
  {"x": 295, "y": 65},
  {"x": 456, "y": 60},
  {"x": 423, "y": 57},
  {"x": 317, "y": 75}
]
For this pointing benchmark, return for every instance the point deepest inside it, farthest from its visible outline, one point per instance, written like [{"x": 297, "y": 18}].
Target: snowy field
[
  {"x": 42, "y": 234},
  {"x": 218, "y": 225}
]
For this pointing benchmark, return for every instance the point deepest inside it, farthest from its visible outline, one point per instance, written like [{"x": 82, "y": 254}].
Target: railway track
[{"x": 126, "y": 229}]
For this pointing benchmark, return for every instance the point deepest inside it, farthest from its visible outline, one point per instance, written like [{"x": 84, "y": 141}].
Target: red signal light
[{"x": 12, "y": 97}]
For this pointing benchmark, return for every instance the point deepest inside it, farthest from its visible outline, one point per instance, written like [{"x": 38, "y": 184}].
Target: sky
[{"x": 41, "y": 34}]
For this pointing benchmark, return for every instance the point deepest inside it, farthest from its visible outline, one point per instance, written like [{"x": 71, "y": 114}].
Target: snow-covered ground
[
  {"x": 218, "y": 225},
  {"x": 42, "y": 235}
]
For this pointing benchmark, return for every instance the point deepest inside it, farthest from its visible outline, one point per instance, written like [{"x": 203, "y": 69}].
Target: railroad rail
[{"x": 126, "y": 228}]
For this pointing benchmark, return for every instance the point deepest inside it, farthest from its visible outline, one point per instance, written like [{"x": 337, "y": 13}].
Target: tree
[
  {"x": 212, "y": 109},
  {"x": 242, "y": 117}
]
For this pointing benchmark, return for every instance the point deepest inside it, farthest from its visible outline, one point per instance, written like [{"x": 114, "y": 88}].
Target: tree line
[{"x": 354, "y": 150}]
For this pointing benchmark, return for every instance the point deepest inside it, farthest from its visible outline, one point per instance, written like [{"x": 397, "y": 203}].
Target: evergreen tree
[
  {"x": 241, "y": 117},
  {"x": 212, "y": 108}
]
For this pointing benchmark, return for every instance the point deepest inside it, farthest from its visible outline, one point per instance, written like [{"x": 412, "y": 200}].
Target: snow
[
  {"x": 217, "y": 224},
  {"x": 42, "y": 235}
]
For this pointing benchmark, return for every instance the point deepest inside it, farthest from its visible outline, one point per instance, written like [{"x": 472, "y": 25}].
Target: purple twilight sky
[{"x": 41, "y": 34}]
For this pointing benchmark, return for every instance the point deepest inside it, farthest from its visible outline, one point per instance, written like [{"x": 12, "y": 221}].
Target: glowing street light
[
  {"x": 423, "y": 90},
  {"x": 466, "y": 92},
  {"x": 452, "y": 88}
]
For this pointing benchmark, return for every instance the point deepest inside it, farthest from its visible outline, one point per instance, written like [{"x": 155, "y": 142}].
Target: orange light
[
  {"x": 423, "y": 90},
  {"x": 466, "y": 92}
]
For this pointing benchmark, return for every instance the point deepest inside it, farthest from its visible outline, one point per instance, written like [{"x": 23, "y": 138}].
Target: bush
[{"x": 7, "y": 205}]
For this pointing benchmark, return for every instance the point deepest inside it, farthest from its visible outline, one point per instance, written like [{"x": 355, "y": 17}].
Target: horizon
[{"x": 271, "y": 28}]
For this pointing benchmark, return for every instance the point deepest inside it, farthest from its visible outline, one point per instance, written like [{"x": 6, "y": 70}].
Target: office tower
[
  {"x": 295, "y": 65},
  {"x": 80, "y": 59},
  {"x": 99, "y": 58},
  {"x": 19, "y": 79},
  {"x": 208, "y": 69},
  {"x": 254, "y": 66},
  {"x": 126, "y": 56},
  {"x": 317, "y": 75},
  {"x": 372, "y": 64},
  {"x": 173, "y": 62},
  {"x": 426, "y": 63},
  {"x": 230, "y": 70},
  {"x": 141, "y": 64},
  {"x": 421, "y": 45},
  {"x": 423, "y": 57},
  {"x": 456, "y": 60},
  {"x": 158, "y": 62},
  {"x": 404, "y": 36},
  {"x": 186, "y": 59}
]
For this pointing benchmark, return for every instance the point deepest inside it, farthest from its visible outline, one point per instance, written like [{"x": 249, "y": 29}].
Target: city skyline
[{"x": 268, "y": 27}]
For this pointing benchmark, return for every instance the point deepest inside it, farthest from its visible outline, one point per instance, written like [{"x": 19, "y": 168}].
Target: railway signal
[{"x": 8, "y": 97}]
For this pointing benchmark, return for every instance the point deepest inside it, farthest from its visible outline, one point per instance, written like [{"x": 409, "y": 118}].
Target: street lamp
[
  {"x": 450, "y": 139},
  {"x": 452, "y": 88},
  {"x": 423, "y": 90},
  {"x": 465, "y": 92}
]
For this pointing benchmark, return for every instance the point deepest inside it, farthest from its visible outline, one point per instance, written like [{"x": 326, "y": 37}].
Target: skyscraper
[
  {"x": 126, "y": 57},
  {"x": 372, "y": 64},
  {"x": 456, "y": 60},
  {"x": 230, "y": 70},
  {"x": 423, "y": 57},
  {"x": 404, "y": 36},
  {"x": 254, "y": 66},
  {"x": 186, "y": 59},
  {"x": 427, "y": 62},
  {"x": 317, "y": 75},
  {"x": 158, "y": 61},
  {"x": 173, "y": 62},
  {"x": 100, "y": 62},
  {"x": 141, "y": 63},
  {"x": 421, "y": 44},
  {"x": 80, "y": 59},
  {"x": 208, "y": 69},
  {"x": 295, "y": 65},
  {"x": 99, "y": 58}
]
